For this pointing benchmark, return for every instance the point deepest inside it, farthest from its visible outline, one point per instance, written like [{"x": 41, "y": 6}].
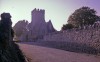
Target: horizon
[{"x": 56, "y": 11}]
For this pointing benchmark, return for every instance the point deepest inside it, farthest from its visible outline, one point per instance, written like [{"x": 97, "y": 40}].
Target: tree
[
  {"x": 9, "y": 50},
  {"x": 83, "y": 16},
  {"x": 19, "y": 27},
  {"x": 67, "y": 26}
]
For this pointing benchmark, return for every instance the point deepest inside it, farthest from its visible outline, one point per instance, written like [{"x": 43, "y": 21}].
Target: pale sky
[{"x": 57, "y": 11}]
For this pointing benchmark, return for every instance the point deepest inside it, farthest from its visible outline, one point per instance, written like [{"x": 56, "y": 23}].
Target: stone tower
[
  {"x": 37, "y": 16},
  {"x": 38, "y": 27}
]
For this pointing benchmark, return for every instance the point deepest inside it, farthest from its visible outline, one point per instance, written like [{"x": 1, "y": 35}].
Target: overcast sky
[{"x": 56, "y": 10}]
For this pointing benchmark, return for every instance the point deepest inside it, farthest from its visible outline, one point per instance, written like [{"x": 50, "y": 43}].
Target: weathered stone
[
  {"x": 37, "y": 28},
  {"x": 89, "y": 36}
]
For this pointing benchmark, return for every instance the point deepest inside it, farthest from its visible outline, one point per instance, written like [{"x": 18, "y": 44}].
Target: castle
[{"x": 37, "y": 28}]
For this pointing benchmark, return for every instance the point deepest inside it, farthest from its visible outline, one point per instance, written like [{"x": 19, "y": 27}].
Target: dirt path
[{"x": 44, "y": 54}]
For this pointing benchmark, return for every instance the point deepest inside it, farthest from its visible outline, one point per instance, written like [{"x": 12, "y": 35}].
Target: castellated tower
[
  {"x": 37, "y": 16},
  {"x": 38, "y": 27}
]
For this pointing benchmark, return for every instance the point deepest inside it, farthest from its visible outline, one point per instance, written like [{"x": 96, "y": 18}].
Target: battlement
[
  {"x": 38, "y": 16},
  {"x": 38, "y": 11}
]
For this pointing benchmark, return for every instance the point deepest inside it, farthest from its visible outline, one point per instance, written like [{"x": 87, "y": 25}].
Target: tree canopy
[
  {"x": 83, "y": 16},
  {"x": 67, "y": 26}
]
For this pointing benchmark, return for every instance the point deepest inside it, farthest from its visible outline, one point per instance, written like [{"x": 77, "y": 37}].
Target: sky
[{"x": 57, "y": 11}]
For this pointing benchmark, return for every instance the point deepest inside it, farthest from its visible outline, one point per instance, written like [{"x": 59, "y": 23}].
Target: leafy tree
[
  {"x": 19, "y": 27},
  {"x": 67, "y": 26},
  {"x": 83, "y": 16},
  {"x": 9, "y": 50}
]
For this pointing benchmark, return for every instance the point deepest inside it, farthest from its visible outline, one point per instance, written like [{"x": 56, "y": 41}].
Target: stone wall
[{"x": 89, "y": 35}]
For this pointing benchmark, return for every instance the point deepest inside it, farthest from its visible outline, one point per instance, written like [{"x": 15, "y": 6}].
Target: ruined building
[{"x": 37, "y": 28}]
